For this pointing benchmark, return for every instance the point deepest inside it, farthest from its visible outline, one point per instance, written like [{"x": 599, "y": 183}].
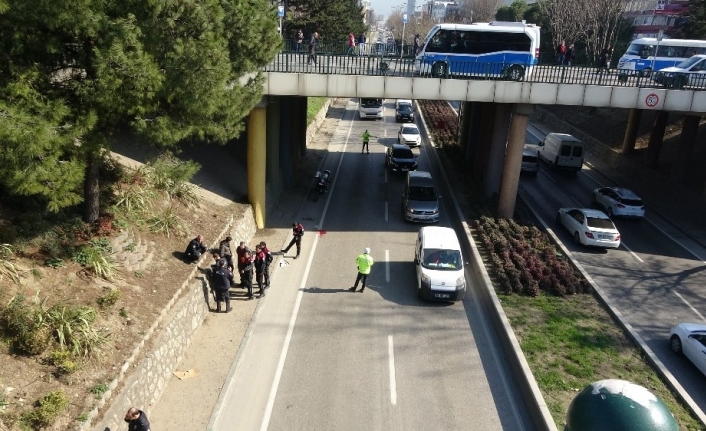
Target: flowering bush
[
  {"x": 522, "y": 260},
  {"x": 442, "y": 121}
]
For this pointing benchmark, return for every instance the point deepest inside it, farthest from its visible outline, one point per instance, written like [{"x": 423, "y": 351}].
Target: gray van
[
  {"x": 562, "y": 151},
  {"x": 420, "y": 202},
  {"x": 530, "y": 161}
]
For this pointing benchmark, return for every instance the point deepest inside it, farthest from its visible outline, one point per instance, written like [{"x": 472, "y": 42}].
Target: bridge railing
[{"x": 401, "y": 66}]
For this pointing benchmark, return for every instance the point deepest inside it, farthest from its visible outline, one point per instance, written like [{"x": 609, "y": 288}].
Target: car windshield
[
  {"x": 600, "y": 223},
  {"x": 371, "y": 103},
  {"x": 689, "y": 62},
  {"x": 422, "y": 194},
  {"x": 404, "y": 107},
  {"x": 402, "y": 153},
  {"x": 435, "y": 258},
  {"x": 410, "y": 131}
]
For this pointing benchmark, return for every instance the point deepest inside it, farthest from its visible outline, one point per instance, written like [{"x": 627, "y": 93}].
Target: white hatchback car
[
  {"x": 618, "y": 201},
  {"x": 409, "y": 134},
  {"x": 589, "y": 227},
  {"x": 689, "y": 339}
]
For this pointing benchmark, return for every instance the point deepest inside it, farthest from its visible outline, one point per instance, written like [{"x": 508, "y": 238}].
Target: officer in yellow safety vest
[
  {"x": 366, "y": 139},
  {"x": 365, "y": 263}
]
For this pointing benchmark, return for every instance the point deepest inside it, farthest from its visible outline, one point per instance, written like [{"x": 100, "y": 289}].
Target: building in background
[{"x": 651, "y": 16}]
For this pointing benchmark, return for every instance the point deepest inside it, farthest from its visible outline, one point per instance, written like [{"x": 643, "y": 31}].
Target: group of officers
[{"x": 247, "y": 263}]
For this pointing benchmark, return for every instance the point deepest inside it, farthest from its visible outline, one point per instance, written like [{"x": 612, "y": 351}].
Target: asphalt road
[
  {"x": 320, "y": 357},
  {"x": 656, "y": 278}
]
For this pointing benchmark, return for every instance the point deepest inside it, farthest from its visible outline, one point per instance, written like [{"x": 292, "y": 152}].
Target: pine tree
[
  {"x": 168, "y": 69},
  {"x": 694, "y": 24},
  {"x": 333, "y": 19}
]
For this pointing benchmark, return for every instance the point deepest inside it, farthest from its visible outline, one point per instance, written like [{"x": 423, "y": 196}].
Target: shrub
[
  {"x": 63, "y": 361},
  {"x": 109, "y": 299},
  {"x": 92, "y": 256},
  {"x": 132, "y": 198},
  {"x": 171, "y": 176},
  {"x": 45, "y": 411},
  {"x": 7, "y": 268},
  {"x": 99, "y": 389},
  {"x": 167, "y": 223},
  {"x": 26, "y": 325},
  {"x": 73, "y": 326}
]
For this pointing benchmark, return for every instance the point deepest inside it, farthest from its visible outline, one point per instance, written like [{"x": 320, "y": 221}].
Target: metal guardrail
[{"x": 386, "y": 65}]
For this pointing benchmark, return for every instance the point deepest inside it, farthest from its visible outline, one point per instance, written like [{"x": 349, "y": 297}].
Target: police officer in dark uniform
[
  {"x": 222, "y": 278},
  {"x": 195, "y": 249},
  {"x": 298, "y": 233},
  {"x": 246, "y": 273},
  {"x": 268, "y": 260},
  {"x": 260, "y": 269},
  {"x": 137, "y": 420}
]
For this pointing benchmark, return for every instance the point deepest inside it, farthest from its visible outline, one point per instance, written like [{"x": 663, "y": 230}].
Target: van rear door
[{"x": 571, "y": 155}]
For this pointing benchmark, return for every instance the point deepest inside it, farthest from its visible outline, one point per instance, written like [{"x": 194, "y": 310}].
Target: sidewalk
[{"x": 190, "y": 402}]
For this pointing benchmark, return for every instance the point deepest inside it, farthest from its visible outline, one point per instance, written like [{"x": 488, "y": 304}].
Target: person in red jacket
[{"x": 240, "y": 252}]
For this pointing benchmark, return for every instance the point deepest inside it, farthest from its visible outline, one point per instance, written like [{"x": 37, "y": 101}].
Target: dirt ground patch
[{"x": 150, "y": 272}]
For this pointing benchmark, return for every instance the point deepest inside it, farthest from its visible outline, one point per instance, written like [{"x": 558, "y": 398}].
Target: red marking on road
[{"x": 322, "y": 232}]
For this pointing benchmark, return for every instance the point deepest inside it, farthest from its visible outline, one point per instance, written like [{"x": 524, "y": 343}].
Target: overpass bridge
[{"x": 493, "y": 117}]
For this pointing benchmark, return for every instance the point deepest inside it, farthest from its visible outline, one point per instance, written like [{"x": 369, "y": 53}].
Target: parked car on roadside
[
  {"x": 589, "y": 227},
  {"x": 399, "y": 158},
  {"x": 689, "y": 339},
  {"x": 618, "y": 201},
  {"x": 409, "y": 135}
]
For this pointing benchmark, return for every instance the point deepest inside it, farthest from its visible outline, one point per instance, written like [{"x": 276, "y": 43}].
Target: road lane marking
[
  {"x": 287, "y": 340},
  {"x": 632, "y": 252},
  {"x": 335, "y": 177},
  {"x": 689, "y": 305},
  {"x": 387, "y": 265},
  {"x": 393, "y": 380}
]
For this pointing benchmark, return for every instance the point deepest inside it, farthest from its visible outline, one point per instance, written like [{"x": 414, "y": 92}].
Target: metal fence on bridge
[{"x": 395, "y": 65}]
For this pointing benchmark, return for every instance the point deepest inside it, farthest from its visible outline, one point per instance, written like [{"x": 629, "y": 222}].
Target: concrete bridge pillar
[
  {"x": 631, "y": 131},
  {"x": 484, "y": 139},
  {"x": 496, "y": 156},
  {"x": 257, "y": 159},
  {"x": 656, "y": 137},
  {"x": 473, "y": 122},
  {"x": 465, "y": 124},
  {"x": 513, "y": 160},
  {"x": 686, "y": 144}
]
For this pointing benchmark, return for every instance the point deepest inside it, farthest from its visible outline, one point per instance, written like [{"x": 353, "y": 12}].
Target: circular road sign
[{"x": 652, "y": 100}]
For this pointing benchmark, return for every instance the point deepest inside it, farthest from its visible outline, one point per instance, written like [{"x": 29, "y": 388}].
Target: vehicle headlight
[
  {"x": 460, "y": 283},
  {"x": 410, "y": 210},
  {"x": 419, "y": 139},
  {"x": 426, "y": 279}
]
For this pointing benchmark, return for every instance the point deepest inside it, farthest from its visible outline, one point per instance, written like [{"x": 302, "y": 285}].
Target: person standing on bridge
[
  {"x": 561, "y": 52},
  {"x": 604, "y": 60},
  {"x": 351, "y": 44},
  {"x": 366, "y": 140},
  {"x": 299, "y": 37},
  {"x": 570, "y": 54},
  {"x": 312, "y": 48},
  {"x": 365, "y": 263},
  {"x": 416, "y": 45},
  {"x": 361, "y": 44}
]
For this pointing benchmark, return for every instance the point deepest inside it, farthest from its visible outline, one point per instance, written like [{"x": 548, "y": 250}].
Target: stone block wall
[
  {"x": 316, "y": 123},
  {"x": 143, "y": 377}
]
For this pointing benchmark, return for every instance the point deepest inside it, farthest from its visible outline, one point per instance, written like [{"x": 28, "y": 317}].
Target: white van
[
  {"x": 561, "y": 151},
  {"x": 439, "y": 263},
  {"x": 370, "y": 108}
]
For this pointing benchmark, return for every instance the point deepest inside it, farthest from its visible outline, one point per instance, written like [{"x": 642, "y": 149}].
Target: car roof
[
  {"x": 420, "y": 177},
  {"x": 624, "y": 193},
  {"x": 439, "y": 237},
  {"x": 565, "y": 137},
  {"x": 400, "y": 147},
  {"x": 529, "y": 152},
  {"x": 409, "y": 125},
  {"x": 404, "y": 101},
  {"x": 593, "y": 213}
]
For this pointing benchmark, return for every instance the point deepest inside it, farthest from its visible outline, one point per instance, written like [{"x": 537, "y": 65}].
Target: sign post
[
  {"x": 660, "y": 36},
  {"x": 280, "y": 12},
  {"x": 404, "y": 24}
]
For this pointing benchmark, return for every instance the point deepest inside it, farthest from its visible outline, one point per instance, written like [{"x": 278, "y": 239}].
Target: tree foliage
[
  {"x": 479, "y": 10},
  {"x": 513, "y": 13},
  {"x": 694, "y": 27},
  {"x": 333, "y": 19},
  {"x": 74, "y": 72},
  {"x": 415, "y": 25}
]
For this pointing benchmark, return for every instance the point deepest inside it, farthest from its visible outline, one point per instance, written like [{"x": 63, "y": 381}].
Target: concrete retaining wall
[
  {"x": 314, "y": 126},
  {"x": 143, "y": 377}
]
